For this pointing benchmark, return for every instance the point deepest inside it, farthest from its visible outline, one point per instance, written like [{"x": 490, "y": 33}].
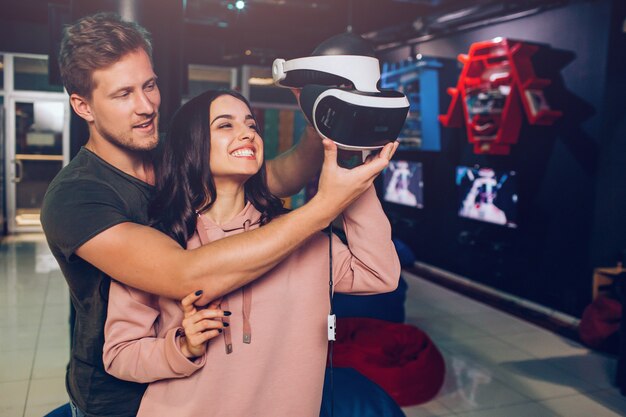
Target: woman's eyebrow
[
  {"x": 222, "y": 116},
  {"x": 230, "y": 117}
]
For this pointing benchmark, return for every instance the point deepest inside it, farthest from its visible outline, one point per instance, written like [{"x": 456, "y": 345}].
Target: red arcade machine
[{"x": 497, "y": 77}]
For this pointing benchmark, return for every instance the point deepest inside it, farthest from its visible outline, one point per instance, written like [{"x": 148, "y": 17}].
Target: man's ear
[{"x": 82, "y": 107}]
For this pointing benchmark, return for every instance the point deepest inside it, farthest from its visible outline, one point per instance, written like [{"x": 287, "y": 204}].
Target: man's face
[{"x": 125, "y": 103}]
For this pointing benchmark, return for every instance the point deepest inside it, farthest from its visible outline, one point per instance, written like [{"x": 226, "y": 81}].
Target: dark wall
[
  {"x": 25, "y": 37},
  {"x": 609, "y": 232},
  {"x": 549, "y": 257},
  {"x": 2, "y": 174}
]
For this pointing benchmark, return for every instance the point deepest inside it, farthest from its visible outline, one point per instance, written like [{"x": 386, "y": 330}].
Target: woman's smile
[{"x": 247, "y": 152}]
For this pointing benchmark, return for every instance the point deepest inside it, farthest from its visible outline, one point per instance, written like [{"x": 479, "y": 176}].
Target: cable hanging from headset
[{"x": 331, "y": 313}]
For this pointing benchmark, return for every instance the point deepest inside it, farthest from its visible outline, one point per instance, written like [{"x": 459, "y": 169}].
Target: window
[
  {"x": 32, "y": 74},
  {"x": 263, "y": 90},
  {"x": 202, "y": 78},
  {"x": 1, "y": 72}
]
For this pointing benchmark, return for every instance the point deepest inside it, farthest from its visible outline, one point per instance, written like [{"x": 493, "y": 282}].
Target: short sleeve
[{"x": 72, "y": 215}]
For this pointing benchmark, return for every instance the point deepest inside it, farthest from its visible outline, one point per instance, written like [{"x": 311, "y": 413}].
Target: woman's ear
[{"x": 82, "y": 107}]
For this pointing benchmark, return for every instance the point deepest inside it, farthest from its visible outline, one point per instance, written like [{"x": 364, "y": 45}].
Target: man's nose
[{"x": 144, "y": 104}]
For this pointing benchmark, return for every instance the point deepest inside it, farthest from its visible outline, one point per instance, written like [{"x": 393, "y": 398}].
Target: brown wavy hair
[{"x": 95, "y": 42}]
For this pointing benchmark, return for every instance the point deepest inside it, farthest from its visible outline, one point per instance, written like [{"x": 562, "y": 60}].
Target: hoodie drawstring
[{"x": 246, "y": 293}]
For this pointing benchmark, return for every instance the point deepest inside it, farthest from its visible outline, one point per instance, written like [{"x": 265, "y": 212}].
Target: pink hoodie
[{"x": 279, "y": 370}]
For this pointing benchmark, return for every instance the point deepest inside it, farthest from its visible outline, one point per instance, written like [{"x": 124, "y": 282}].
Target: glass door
[{"x": 37, "y": 144}]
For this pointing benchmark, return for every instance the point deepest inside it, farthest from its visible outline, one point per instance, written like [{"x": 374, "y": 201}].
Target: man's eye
[{"x": 150, "y": 87}]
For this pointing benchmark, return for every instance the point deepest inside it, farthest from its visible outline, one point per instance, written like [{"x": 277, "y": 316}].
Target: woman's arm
[
  {"x": 132, "y": 350},
  {"x": 144, "y": 258},
  {"x": 369, "y": 264}
]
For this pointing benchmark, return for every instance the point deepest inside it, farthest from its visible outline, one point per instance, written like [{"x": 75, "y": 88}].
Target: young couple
[{"x": 202, "y": 225}]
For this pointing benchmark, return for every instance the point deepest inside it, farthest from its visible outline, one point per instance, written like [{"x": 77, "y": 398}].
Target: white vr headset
[
  {"x": 359, "y": 118},
  {"x": 361, "y": 71},
  {"x": 353, "y": 119}
]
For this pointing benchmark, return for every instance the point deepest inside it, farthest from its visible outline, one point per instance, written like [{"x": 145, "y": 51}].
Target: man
[{"x": 95, "y": 211}]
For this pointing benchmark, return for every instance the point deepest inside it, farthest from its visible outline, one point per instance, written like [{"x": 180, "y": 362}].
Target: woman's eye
[
  {"x": 254, "y": 127},
  {"x": 225, "y": 125}
]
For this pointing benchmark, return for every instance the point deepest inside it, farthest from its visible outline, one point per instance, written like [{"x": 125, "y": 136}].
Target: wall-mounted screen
[
  {"x": 402, "y": 183},
  {"x": 487, "y": 195}
]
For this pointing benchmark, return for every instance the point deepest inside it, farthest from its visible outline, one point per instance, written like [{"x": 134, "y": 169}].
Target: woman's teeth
[{"x": 243, "y": 152}]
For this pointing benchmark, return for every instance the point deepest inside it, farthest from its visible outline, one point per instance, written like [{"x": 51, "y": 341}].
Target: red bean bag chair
[
  {"x": 599, "y": 324},
  {"x": 400, "y": 358}
]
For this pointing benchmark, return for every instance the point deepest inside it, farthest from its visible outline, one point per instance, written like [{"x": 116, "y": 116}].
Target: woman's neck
[{"x": 229, "y": 202}]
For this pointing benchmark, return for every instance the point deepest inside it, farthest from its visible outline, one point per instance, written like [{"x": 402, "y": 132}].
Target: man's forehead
[{"x": 132, "y": 70}]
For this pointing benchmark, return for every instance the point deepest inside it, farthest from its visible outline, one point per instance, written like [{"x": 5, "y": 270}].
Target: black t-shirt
[{"x": 87, "y": 197}]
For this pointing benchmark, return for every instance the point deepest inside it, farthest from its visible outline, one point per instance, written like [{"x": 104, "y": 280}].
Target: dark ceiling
[{"x": 266, "y": 29}]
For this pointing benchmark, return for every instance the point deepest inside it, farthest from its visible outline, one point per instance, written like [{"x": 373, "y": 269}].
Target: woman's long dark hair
[{"x": 184, "y": 184}]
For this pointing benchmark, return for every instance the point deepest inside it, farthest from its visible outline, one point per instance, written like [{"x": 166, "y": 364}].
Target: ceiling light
[
  {"x": 260, "y": 81},
  {"x": 248, "y": 52},
  {"x": 456, "y": 15},
  {"x": 240, "y": 4},
  {"x": 418, "y": 24}
]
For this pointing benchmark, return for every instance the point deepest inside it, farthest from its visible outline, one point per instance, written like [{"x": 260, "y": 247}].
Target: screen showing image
[
  {"x": 402, "y": 183},
  {"x": 487, "y": 195}
]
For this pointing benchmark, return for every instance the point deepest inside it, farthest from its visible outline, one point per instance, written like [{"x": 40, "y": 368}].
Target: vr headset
[
  {"x": 353, "y": 119},
  {"x": 360, "y": 71},
  {"x": 341, "y": 99}
]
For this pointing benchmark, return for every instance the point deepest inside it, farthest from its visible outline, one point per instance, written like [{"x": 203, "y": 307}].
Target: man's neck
[{"x": 137, "y": 164}]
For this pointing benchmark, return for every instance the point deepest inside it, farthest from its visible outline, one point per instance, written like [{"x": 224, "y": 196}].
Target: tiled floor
[{"x": 497, "y": 365}]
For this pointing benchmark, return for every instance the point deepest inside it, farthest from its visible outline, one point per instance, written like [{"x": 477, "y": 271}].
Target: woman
[{"x": 270, "y": 357}]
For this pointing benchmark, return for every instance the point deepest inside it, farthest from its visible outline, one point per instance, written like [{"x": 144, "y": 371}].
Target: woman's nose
[{"x": 247, "y": 134}]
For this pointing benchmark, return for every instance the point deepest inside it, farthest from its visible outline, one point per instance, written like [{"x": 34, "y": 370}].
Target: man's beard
[{"x": 146, "y": 143}]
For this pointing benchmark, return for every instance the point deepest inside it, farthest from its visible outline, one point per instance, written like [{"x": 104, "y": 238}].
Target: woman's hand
[{"x": 200, "y": 325}]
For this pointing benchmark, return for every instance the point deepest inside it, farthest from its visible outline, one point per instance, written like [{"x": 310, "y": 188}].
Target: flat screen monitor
[
  {"x": 402, "y": 183},
  {"x": 487, "y": 195}
]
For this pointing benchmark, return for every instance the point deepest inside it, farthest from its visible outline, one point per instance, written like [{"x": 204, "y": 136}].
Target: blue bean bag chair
[
  {"x": 62, "y": 411},
  {"x": 388, "y": 307},
  {"x": 353, "y": 395}
]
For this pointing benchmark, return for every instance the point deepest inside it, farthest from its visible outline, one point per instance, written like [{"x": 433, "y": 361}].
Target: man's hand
[
  {"x": 339, "y": 187},
  {"x": 293, "y": 169}
]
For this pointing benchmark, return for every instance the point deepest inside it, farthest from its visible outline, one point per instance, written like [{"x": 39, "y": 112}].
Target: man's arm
[
  {"x": 290, "y": 171},
  {"x": 144, "y": 258}
]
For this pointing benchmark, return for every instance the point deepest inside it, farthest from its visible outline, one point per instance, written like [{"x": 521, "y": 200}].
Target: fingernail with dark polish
[
  {"x": 199, "y": 292},
  {"x": 227, "y": 313},
  {"x": 226, "y": 324},
  {"x": 219, "y": 330}
]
